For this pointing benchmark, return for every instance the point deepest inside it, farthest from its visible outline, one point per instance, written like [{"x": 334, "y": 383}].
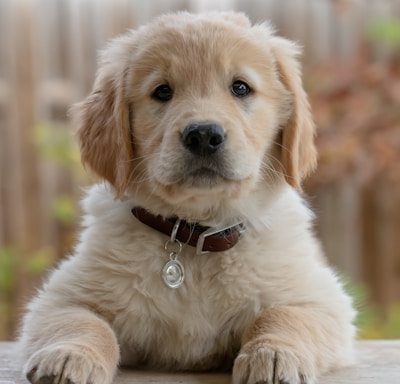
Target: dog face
[{"x": 193, "y": 107}]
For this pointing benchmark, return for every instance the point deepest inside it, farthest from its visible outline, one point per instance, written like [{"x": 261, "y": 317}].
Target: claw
[
  {"x": 303, "y": 379},
  {"x": 46, "y": 380},
  {"x": 30, "y": 374}
]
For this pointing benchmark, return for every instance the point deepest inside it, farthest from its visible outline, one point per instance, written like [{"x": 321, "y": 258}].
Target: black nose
[{"x": 203, "y": 138}]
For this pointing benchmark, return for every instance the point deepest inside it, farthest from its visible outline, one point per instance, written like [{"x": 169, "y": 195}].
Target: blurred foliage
[
  {"x": 40, "y": 261},
  {"x": 8, "y": 261},
  {"x": 11, "y": 269},
  {"x": 356, "y": 110},
  {"x": 386, "y": 32},
  {"x": 373, "y": 322},
  {"x": 64, "y": 209},
  {"x": 54, "y": 143}
]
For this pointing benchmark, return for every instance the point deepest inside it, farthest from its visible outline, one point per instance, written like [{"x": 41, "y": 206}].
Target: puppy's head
[{"x": 192, "y": 109}]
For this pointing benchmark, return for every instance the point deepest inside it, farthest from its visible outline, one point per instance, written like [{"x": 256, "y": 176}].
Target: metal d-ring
[
  {"x": 173, "y": 273},
  {"x": 173, "y": 241}
]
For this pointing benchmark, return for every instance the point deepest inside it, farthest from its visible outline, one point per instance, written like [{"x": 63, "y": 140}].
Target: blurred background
[{"x": 351, "y": 67}]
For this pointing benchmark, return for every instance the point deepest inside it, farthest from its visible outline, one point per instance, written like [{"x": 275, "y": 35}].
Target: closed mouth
[
  {"x": 204, "y": 173},
  {"x": 203, "y": 177},
  {"x": 200, "y": 173}
]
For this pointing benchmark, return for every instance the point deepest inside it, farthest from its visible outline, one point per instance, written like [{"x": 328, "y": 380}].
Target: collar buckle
[{"x": 212, "y": 231}]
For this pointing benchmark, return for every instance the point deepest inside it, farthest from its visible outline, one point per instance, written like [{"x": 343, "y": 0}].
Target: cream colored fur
[{"x": 270, "y": 307}]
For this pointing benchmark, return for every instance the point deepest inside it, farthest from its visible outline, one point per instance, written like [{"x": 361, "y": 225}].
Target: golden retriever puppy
[{"x": 197, "y": 250}]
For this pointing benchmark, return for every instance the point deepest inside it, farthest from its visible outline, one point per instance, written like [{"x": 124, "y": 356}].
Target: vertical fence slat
[
  {"x": 23, "y": 187},
  {"x": 380, "y": 247},
  {"x": 4, "y": 115},
  {"x": 338, "y": 216}
]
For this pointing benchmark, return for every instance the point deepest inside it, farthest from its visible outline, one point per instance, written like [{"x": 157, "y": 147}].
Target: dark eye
[
  {"x": 240, "y": 89},
  {"x": 163, "y": 93}
]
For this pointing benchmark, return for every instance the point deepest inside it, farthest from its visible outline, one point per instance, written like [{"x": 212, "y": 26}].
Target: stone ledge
[{"x": 378, "y": 363}]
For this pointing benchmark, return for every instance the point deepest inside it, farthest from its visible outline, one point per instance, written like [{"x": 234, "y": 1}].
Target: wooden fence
[{"x": 47, "y": 62}]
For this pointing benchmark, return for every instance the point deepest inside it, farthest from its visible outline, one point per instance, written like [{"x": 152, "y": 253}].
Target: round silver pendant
[{"x": 173, "y": 274}]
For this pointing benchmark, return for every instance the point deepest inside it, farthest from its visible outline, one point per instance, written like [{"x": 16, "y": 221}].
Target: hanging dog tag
[{"x": 173, "y": 274}]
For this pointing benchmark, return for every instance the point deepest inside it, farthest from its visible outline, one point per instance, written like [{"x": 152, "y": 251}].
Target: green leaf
[
  {"x": 64, "y": 209},
  {"x": 7, "y": 269},
  {"x": 40, "y": 261},
  {"x": 386, "y": 32},
  {"x": 55, "y": 143}
]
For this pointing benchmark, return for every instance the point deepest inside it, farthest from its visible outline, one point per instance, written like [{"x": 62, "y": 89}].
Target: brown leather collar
[{"x": 205, "y": 239}]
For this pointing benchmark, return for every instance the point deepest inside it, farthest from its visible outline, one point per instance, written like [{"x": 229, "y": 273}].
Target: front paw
[
  {"x": 265, "y": 363},
  {"x": 68, "y": 363}
]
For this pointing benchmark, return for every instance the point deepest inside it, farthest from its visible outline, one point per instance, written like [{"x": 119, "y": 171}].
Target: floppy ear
[
  {"x": 297, "y": 150},
  {"x": 103, "y": 120}
]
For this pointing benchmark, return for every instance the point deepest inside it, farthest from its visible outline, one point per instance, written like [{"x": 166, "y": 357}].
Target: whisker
[
  {"x": 281, "y": 146},
  {"x": 273, "y": 172}
]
